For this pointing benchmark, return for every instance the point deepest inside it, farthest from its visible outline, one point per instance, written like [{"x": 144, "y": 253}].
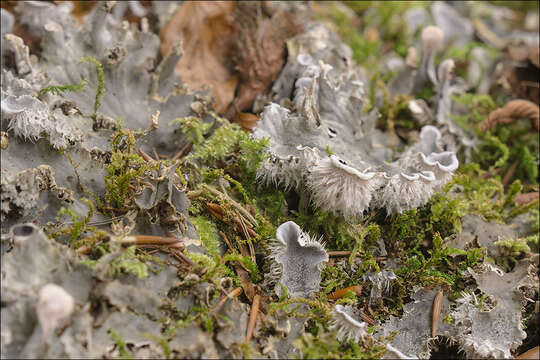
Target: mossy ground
[{"x": 232, "y": 212}]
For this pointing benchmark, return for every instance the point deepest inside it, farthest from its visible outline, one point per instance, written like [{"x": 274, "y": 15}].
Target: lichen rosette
[{"x": 328, "y": 148}]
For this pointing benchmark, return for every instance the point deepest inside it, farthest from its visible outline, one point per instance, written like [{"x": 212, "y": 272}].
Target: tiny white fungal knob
[
  {"x": 432, "y": 38},
  {"x": 432, "y": 41},
  {"x": 54, "y": 305}
]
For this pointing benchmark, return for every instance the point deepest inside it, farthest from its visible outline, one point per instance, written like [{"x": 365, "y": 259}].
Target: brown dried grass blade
[
  {"x": 436, "y": 315},
  {"x": 253, "y": 317}
]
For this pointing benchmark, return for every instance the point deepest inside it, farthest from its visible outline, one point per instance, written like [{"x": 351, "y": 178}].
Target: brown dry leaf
[
  {"x": 245, "y": 279},
  {"x": 246, "y": 120},
  {"x": 207, "y": 34},
  {"x": 80, "y": 9},
  {"x": 261, "y": 51}
]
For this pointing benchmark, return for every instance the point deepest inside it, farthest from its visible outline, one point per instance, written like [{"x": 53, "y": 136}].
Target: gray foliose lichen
[
  {"x": 328, "y": 148},
  {"x": 114, "y": 80}
]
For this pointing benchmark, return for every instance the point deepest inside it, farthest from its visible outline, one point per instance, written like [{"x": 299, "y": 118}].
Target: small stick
[
  {"x": 367, "y": 319},
  {"x": 155, "y": 153},
  {"x": 509, "y": 173},
  {"x": 151, "y": 240},
  {"x": 338, "y": 294},
  {"x": 253, "y": 317},
  {"x": 348, "y": 253},
  {"x": 338, "y": 253},
  {"x": 144, "y": 155},
  {"x": 115, "y": 209},
  {"x": 193, "y": 194},
  {"x": 226, "y": 240},
  {"x": 533, "y": 353},
  {"x": 181, "y": 152},
  {"x": 180, "y": 256},
  {"x": 239, "y": 207},
  {"x": 234, "y": 293},
  {"x": 248, "y": 235},
  {"x": 83, "y": 250},
  {"x": 436, "y": 315},
  {"x": 489, "y": 174}
]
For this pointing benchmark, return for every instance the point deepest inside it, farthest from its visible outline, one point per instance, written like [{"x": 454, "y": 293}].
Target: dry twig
[
  {"x": 182, "y": 151},
  {"x": 145, "y": 156},
  {"x": 436, "y": 314},
  {"x": 506, "y": 178},
  {"x": 533, "y": 353},
  {"x": 253, "y": 317},
  {"x": 234, "y": 293}
]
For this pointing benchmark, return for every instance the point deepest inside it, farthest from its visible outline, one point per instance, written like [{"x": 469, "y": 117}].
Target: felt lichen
[
  {"x": 298, "y": 261},
  {"x": 346, "y": 326}
]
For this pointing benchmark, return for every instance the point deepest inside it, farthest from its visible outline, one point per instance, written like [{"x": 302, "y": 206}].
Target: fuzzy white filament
[
  {"x": 346, "y": 326},
  {"x": 341, "y": 188}
]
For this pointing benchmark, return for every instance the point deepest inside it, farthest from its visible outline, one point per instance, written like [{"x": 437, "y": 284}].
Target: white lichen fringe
[{"x": 346, "y": 326}]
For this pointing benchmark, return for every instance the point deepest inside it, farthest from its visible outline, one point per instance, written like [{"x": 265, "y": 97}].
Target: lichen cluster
[{"x": 161, "y": 224}]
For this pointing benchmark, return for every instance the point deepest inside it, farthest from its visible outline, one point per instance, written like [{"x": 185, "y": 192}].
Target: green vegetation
[
  {"x": 101, "y": 83},
  {"x": 60, "y": 89},
  {"x": 236, "y": 216}
]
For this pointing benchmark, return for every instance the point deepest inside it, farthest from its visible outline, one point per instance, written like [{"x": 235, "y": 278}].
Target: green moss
[
  {"x": 60, "y": 89},
  {"x": 511, "y": 250},
  {"x": 79, "y": 225},
  {"x": 208, "y": 234},
  {"x": 194, "y": 127},
  {"x": 248, "y": 263},
  {"x": 120, "y": 344},
  {"x": 528, "y": 164},
  {"x": 125, "y": 166},
  {"x": 325, "y": 346},
  {"x": 101, "y": 83},
  {"x": 462, "y": 53},
  {"x": 491, "y": 153},
  {"x": 128, "y": 262},
  {"x": 161, "y": 341}
]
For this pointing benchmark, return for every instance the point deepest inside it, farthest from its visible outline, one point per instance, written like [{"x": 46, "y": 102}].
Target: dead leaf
[
  {"x": 246, "y": 120},
  {"x": 261, "y": 51},
  {"x": 207, "y": 34},
  {"x": 245, "y": 279}
]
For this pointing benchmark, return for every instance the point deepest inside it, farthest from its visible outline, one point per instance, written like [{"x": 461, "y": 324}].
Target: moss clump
[
  {"x": 125, "y": 166},
  {"x": 78, "y": 225},
  {"x": 325, "y": 345},
  {"x": 208, "y": 234},
  {"x": 511, "y": 250},
  {"x": 194, "y": 127},
  {"x": 60, "y": 89},
  {"x": 504, "y": 145},
  {"x": 120, "y": 344},
  {"x": 128, "y": 262}
]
